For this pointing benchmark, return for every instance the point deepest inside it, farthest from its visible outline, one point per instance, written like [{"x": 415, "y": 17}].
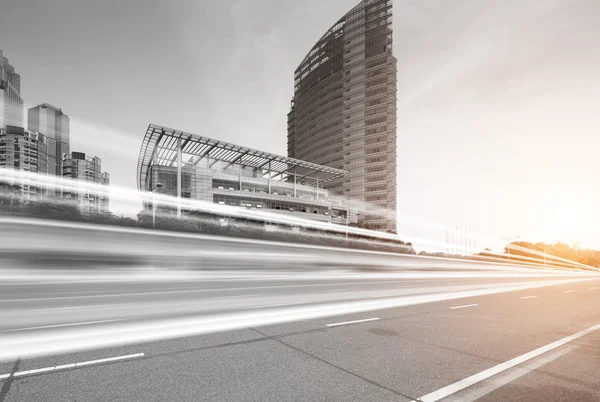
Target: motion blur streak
[
  {"x": 70, "y": 286},
  {"x": 74, "y": 286},
  {"x": 34, "y": 242},
  {"x": 133, "y": 198},
  {"x": 223, "y": 317}
]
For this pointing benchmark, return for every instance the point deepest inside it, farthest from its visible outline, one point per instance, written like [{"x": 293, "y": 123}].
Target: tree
[
  {"x": 11, "y": 199},
  {"x": 53, "y": 208}
]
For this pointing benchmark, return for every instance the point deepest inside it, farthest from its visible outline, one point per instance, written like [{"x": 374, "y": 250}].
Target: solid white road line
[
  {"x": 594, "y": 288},
  {"x": 474, "y": 379},
  {"x": 465, "y": 306},
  {"x": 568, "y": 291},
  {"x": 492, "y": 384},
  {"x": 72, "y": 365},
  {"x": 528, "y": 297},
  {"x": 73, "y": 324},
  {"x": 337, "y": 324}
]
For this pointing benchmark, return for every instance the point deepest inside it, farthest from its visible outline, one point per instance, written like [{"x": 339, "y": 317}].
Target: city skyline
[{"x": 457, "y": 165}]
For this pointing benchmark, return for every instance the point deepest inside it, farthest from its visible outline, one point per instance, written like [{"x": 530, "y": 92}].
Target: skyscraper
[
  {"x": 54, "y": 124},
  {"x": 87, "y": 169},
  {"x": 11, "y": 103},
  {"x": 343, "y": 112}
]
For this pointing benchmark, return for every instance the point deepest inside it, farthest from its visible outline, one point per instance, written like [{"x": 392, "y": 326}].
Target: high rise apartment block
[
  {"x": 82, "y": 169},
  {"x": 25, "y": 151}
]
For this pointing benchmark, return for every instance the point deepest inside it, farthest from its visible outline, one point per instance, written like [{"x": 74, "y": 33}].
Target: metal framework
[{"x": 160, "y": 147}]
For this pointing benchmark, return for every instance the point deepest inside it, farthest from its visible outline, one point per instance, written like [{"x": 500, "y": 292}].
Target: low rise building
[{"x": 196, "y": 167}]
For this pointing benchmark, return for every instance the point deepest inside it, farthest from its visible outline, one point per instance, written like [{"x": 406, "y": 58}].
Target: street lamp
[
  {"x": 447, "y": 232},
  {"x": 348, "y": 217},
  {"x": 158, "y": 185},
  {"x": 509, "y": 240}
]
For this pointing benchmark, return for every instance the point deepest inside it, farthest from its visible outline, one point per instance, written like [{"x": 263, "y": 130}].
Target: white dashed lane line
[
  {"x": 528, "y": 297},
  {"x": 568, "y": 291},
  {"x": 465, "y": 306},
  {"x": 71, "y": 365},
  {"x": 337, "y": 324}
]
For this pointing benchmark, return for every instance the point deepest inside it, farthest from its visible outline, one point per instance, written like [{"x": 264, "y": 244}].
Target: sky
[{"x": 498, "y": 100}]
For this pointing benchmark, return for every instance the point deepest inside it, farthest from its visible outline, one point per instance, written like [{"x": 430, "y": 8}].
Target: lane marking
[
  {"x": 528, "y": 297},
  {"x": 72, "y": 365},
  {"x": 568, "y": 291},
  {"x": 489, "y": 386},
  {"x": 474, "y": 379},
  {"x": 465, "y": 306},
  {"x": 594, "y": 288},
  {"x": 73, "y": 324},
  {"x": 337, "y": 324}
]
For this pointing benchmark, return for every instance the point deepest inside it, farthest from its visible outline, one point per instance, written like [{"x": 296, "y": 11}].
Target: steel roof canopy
[{"x": 160, "y": 143}]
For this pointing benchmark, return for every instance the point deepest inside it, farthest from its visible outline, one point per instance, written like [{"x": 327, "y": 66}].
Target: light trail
[
  {"x": 165, "y": 201},
  {"x": 72, "y": 339},
  {"x": 46, "y": 236}
]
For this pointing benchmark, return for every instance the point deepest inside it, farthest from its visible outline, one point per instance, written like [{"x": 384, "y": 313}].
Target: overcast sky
[{"x": 499, "y": 100}]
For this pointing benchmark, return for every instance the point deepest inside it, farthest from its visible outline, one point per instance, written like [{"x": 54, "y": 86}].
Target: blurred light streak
[
  {"x": 72, "y": 339},
  {"x": 70, "y": 240},
  {"x": 58, "y": 183}
]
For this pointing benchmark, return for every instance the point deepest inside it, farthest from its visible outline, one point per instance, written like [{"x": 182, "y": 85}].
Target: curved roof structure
[{"x": 160, "y": 147}]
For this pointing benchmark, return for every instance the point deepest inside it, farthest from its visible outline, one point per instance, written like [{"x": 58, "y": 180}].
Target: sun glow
[{"x": 562, "y": 221}]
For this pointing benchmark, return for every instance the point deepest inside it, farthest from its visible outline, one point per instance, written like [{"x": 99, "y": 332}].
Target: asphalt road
[{"x": 387, "y": 338}]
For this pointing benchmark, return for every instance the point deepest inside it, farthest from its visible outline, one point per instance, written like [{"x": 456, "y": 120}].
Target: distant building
[
  {"x": 26, "y": 151},
  {"x": 81, "y": 168},
  {"x": 343, "y": 113},
  {"x": 11, "y": 103},
  {"x": 196, "y": 167},
  {"x": 54, "y": 124},
  {"x": 105, "y": 199}
]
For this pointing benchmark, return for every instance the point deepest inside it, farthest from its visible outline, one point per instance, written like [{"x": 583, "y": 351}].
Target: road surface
[{"x": 330, "y": 336}]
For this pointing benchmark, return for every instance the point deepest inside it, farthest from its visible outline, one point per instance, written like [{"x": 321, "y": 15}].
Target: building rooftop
[
  {"x": 160, "y": 145},
  {"x": 48, "y": 106}
]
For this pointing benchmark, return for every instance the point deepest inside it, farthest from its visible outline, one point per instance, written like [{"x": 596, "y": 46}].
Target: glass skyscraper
[
  {"x": 343, "y": 112},
  {"x": 11, "y": 103},
  {"x": 54, "y": 124}
]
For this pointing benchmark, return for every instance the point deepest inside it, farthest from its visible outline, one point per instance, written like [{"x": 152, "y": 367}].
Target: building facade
[
  {"x": 55, "y": 125},
  {"x": 86, "y": 169},
  {"x": 11, "y": 103},
  {"x": 343, "y": 113},
  {"x": 25, "y": 151},
  {"x": 196, "y": 167}
]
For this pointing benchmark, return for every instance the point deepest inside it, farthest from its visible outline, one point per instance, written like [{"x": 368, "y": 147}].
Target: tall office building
[
  {"x": 343, "y": 112},
  {"x": 86, "y": 169},
  {"x": 54, "y": 124},
  {"x": 11, "y": 103}
]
